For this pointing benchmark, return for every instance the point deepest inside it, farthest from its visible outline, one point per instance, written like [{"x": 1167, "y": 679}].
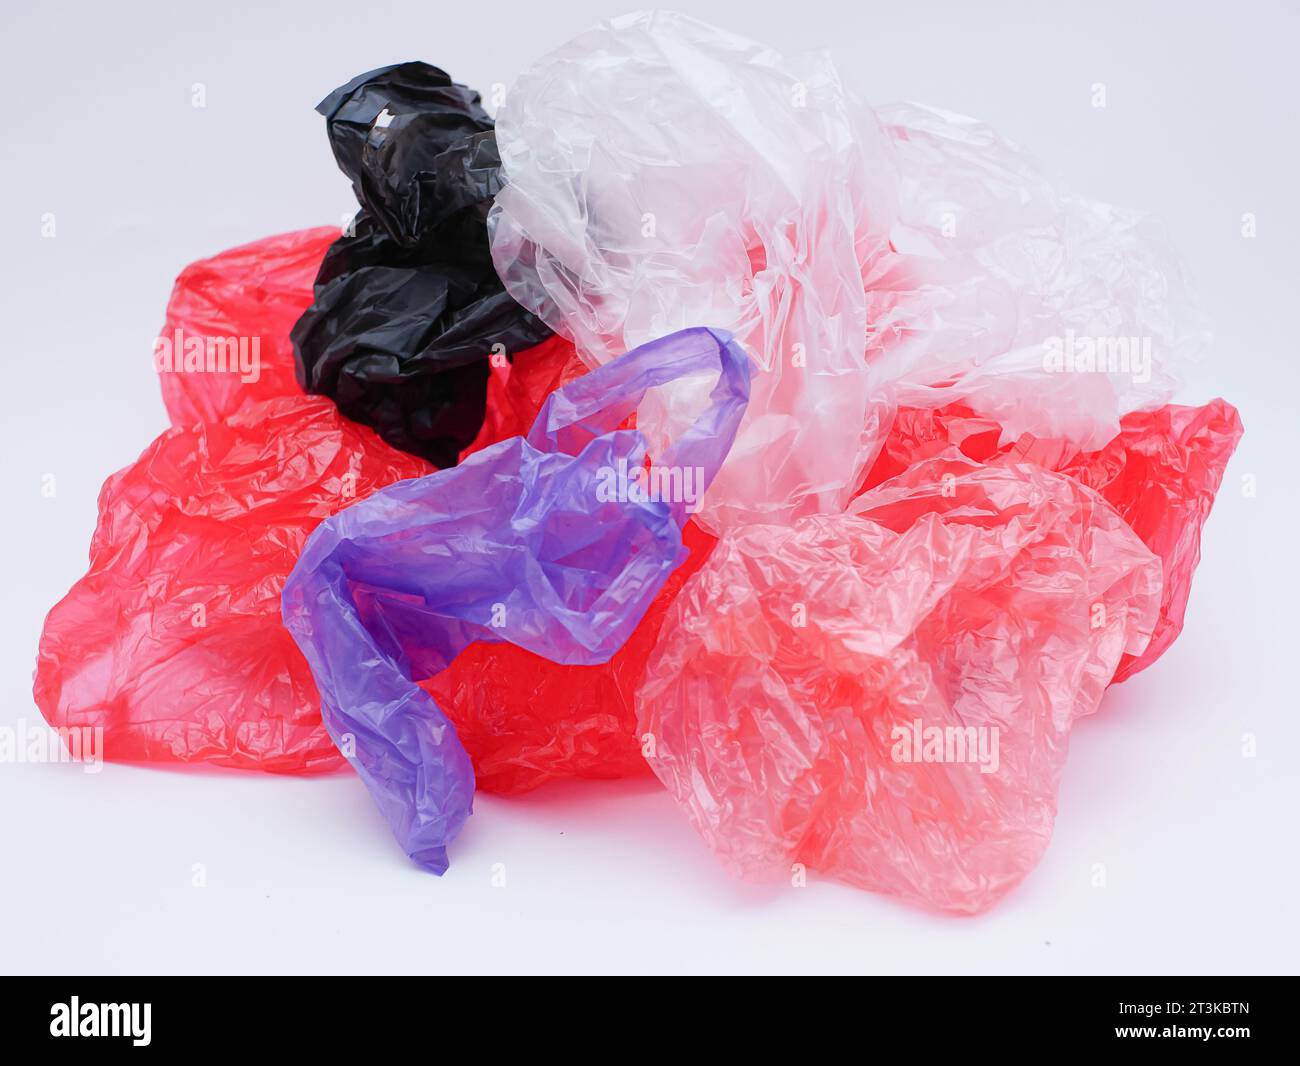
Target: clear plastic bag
[{"x": 661, "y": 172}]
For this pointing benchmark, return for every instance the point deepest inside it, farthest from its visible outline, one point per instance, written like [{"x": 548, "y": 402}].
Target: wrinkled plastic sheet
[
  {"x": 172, "y": 642},
  {"x": 1161, "y": 473},
  {"x": 525, "y": 720},
  {"x": 408, "y": 308},
  {"x": 1022, "y": 535},
  {"x": 233, "y": 691},
  {"x": 864, "y": 261},
  {"x": 886, "y": 695},
  {"x": 531, "y": 541},
  {"x": 225, "y": 344}
]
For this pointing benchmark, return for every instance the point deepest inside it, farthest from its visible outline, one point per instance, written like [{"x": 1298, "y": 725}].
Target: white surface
[{"x": 1199, "y": 843}]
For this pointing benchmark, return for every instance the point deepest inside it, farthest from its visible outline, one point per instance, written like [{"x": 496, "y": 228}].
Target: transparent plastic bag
[{"x": 661, "y": 172}]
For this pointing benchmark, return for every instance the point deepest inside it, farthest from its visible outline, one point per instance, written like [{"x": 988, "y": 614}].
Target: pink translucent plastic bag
[{"x": 990, "y": 603}]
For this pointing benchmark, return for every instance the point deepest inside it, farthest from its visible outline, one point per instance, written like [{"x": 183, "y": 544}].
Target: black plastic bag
[{"x": 408, "y": 306}]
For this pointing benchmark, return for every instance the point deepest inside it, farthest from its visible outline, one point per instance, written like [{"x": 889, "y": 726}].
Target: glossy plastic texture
[
  {"x": 1050, "y": 312},
  {"x": 408, "y": 308},
  {"x": 1161, "y": 473},
  {"x": 885, "y": 696},
  {"x": 225, "y": 342},
  {"x": 737, "y": 206},
  {"x": 864, "y": 264},
  {"x": 525, "y": 720},
  {"x": 172, "y": 642},
  {"x": 534, "y": 541}
]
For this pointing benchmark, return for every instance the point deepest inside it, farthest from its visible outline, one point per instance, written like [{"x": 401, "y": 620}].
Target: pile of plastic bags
[{"x": 817, "y": 459}]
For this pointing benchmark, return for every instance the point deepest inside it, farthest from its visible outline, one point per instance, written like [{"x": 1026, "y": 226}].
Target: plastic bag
[
  {"x": 553, "y": 543},
  {"x": 1053, "y": 314},
  {"x": 225, "y": 342},
  {"x": 886, "y": 695},
  {"x": 1161, "y": 473},
  {"x": 227, "y": 686},
  {"x": 172, "y": 642},
  {"x": 408, "y": 307},
  {"x": 525, "y": 720},
  {"x": 745, "y": 204},
  {"x": 863, "y": 267},
  {"x": 247, "y": 300}
]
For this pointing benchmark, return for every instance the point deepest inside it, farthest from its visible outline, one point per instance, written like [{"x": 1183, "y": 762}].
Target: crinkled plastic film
[
  {"x": 991, "y": 604},
  {"x": 408, "y": 308},
  {"x": 172, "y": 643},
  {"x": 1161, "y": 473},
  {"x": 1053, "y": 314},
  {"x": 952, "y": 507},
  {"x": 528, "y": 541},
  {"x": 225, "y": 341},
  {"x": 922, "y": 261}
]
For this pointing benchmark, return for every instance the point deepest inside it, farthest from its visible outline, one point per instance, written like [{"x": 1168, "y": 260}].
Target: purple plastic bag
[{"x": 549, "y": 542}]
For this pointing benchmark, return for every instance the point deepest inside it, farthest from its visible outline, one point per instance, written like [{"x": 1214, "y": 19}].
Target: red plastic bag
[
  {"x": 525, "y": 720},
  {"x": 173, "y": 642},
  {"x": 252, "y": 295},
  {"x": 202, "y": 501},
  {"x": 241, "y": 302},
  {"x": 1161, "y": 473}
]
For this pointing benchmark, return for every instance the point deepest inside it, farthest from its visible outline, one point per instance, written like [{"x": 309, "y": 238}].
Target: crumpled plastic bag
[
  {"x": 523, "y": 719},
  {"x": 1161, "y": 473},
  {"x": 239, "y": 693},
  {"x": 408, "y": 308},
  {"x": 863, "y": 266},
  {"x": 526, "y": 721},
  {"x": 1051, "y": 313},
  {"x": 172, "y": 642},
  {"x": 225, "y": 342},
  {"x": 252, "y": 295},
  {"x": 543, "y": 542},
  {"x": 734, "y": 207},
  {"x": 886, "y": 695}
]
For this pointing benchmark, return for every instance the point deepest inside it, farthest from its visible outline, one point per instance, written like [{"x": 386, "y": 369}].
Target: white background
[{"x": 1199, "y": 843}]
